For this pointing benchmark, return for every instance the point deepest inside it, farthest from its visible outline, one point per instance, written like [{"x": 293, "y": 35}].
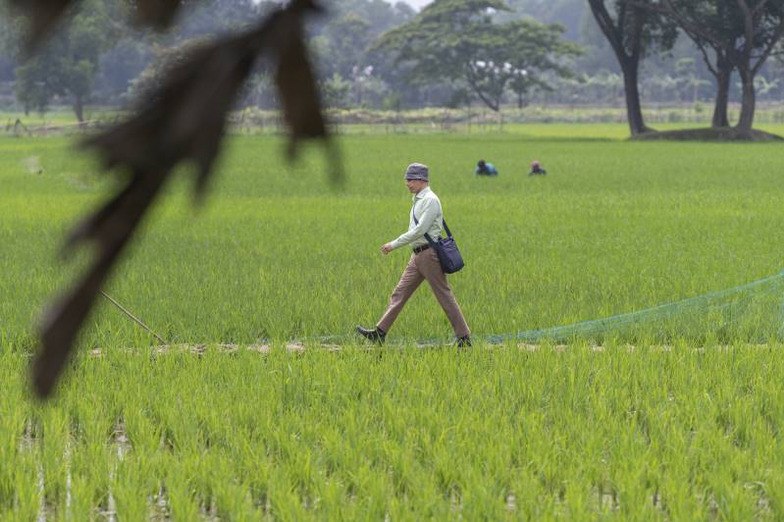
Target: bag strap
[
  {"x": 427, "y": 236},
  {"x": 446, "y": 228}
]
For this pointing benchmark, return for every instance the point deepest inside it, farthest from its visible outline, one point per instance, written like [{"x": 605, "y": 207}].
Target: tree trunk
[
  {"x": 723, "y": 76},
  {"x": 627, "y": 44},
  {"x": 630, "y": 68},
  {"x": 748, "y": 100},
  {"x": 78, "y": 107},
  {"x": 494, "y": 105}
]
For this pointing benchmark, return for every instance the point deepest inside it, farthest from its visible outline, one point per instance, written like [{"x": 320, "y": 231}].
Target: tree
[
  {"x": 516, "y": 55},
  {"x": 380, "y": 15},
  {"x": 68, "y": 64},
  {"x": 742, "y": 35},
  {"x": 458, "y": 41},
  {"x": 6, "y": 69},
  {"x": 343, "y": 44},
  {"x": 447, "y": 42},
  {"x": 215, "y": 17},
  {"x": 687, "y": 77},
  {"x": 535, "y": 49},
  {"x": 335, "y": 91},
  {"x": 633, "y": 32},
  {"x": 119, "y": 65},
  {"x": 6, "y": 44}
]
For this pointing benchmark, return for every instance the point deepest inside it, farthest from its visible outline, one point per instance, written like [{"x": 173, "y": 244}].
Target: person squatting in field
[
  {"x": 483, "y": 168},
  {"x": 426, "y": 217},
  {"x": 537, "y": 169}
]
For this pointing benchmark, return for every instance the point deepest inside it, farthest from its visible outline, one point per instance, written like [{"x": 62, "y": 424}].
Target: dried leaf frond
[{"x": 183, "y": 121}]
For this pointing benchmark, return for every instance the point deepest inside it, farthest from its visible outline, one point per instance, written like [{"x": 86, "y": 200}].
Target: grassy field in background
[
  {"x": 576, "y": 119},
  {"x": 277, "y": 253},
  {"x": 681, "y": 429}
]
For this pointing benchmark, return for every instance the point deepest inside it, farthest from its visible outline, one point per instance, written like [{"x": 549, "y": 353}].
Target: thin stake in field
[{"x": 133, "y": 317}]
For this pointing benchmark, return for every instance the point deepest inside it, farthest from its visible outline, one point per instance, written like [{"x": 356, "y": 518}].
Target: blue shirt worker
[
  {"x": 426, "y": 217},
  {"x": 484, "y": 168}
]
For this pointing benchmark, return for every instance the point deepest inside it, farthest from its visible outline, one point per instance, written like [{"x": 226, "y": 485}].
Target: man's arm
[{"x": 429, "y": 212}]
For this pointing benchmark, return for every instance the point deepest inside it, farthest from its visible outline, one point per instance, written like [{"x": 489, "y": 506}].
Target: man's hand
[{"x": 386, "y": 248}]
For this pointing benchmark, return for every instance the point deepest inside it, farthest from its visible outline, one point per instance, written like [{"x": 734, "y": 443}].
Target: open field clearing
[{"x": 674, "y": 417}]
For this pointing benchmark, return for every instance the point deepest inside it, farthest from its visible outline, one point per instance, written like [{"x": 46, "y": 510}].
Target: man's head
[{"x": 417, "y": 177}]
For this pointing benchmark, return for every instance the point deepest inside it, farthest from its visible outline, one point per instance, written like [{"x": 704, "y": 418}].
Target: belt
[{"x": 421, "y": 248}]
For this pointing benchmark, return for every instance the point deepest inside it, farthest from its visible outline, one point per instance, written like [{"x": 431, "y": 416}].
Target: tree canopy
[
  {"x": 459, "y": 40},
  {"x": 68, "y": 62},
  {"x": 741, "y": 34}
]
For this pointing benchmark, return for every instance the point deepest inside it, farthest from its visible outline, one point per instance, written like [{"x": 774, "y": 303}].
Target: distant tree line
[{"x": 376, "y": 54}]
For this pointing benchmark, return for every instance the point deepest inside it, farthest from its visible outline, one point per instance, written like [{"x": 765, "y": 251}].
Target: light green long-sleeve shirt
[{"x": 427, "y": 208}]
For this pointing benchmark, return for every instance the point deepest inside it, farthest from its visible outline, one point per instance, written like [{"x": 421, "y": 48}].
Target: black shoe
[
  {"x": 464, "y": 342},
  {"x": 376, "y": 334}
]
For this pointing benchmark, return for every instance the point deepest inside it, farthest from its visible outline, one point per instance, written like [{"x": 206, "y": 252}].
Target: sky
[{"x": 417, "y": 4}]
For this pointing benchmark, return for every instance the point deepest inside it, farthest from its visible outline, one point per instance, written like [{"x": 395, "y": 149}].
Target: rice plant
[{"x": 649, "y": 273}]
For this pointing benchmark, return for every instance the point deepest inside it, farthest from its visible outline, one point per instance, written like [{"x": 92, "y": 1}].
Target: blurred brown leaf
[
  {"x": 296, "y": 84},
  {"x": 156, "y": 13},
  {"x": 44, "y": 15},
  {"x": 184, "y": 121},
  {"x": 111, "y": 227},
  {"x": 186, "y": 118}
]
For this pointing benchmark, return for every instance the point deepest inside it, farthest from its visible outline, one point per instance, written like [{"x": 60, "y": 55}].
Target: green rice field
[{"x": 263, "y": 404}]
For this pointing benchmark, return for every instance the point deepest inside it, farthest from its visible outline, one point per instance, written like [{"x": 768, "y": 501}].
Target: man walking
[{"x": 426, "y": 218}]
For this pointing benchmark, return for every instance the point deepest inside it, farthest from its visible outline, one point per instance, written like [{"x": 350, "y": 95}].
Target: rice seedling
[{"x": 672, "y": 414}]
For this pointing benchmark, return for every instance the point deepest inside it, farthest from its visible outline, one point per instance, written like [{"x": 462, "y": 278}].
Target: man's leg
[
  {"x": 409, "y": 281},
  {"x": 428, "y": 265}
]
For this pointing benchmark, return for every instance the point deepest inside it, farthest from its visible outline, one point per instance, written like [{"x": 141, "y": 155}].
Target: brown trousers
[{"x": 424, "y": 266}]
